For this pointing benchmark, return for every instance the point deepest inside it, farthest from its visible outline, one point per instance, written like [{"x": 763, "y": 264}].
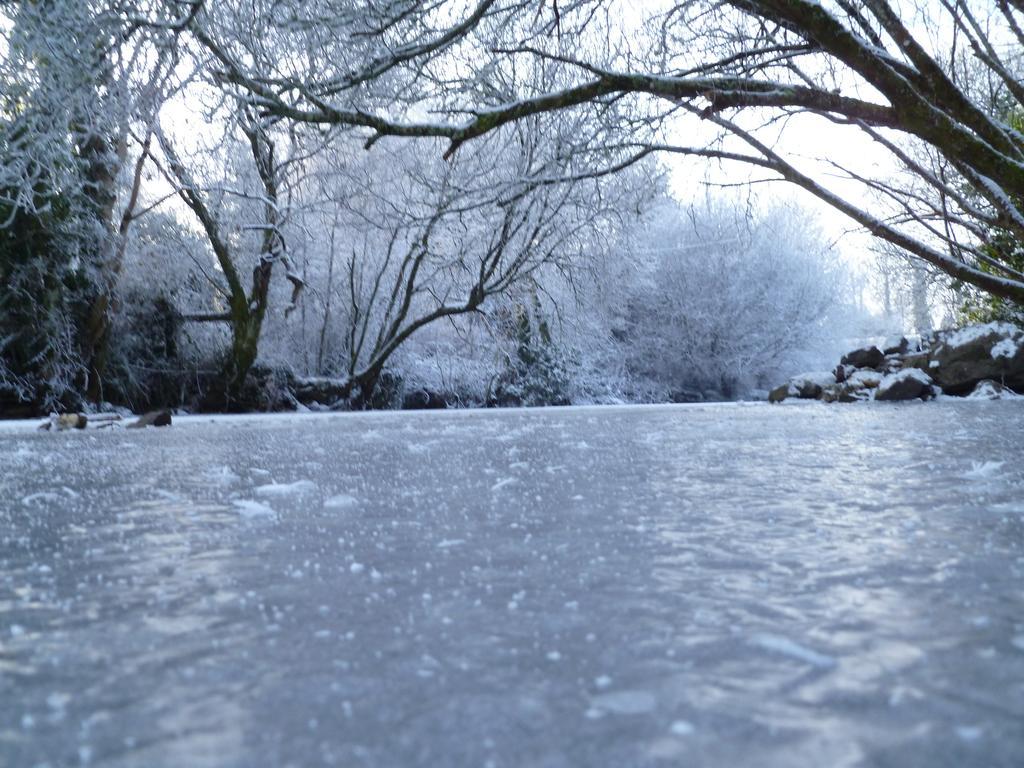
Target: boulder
[
  {"x": 779, "y": 394},
  {"x": 892, "y": 364},
  {"x": 809, "y": 386},
  {"x": 843, "y": 372},
  {"x": 422, "y": 400},
  {"x": 992, "y": 390},
  {"x": 65, "y": 421},
  {"x": 896, "y": 345},
  {"x": 970, "y": 355},
  {"x": 153, "y": 419},
  {"x": 685, "y": 396},
  {"x": 845, "y": 392},
  {"x": 917, "y": 360},
  {"x": 72, "y": 421},
  {"x": 908, "y": 384},
  {"x": 865, "y": 379},
  {"x": 866, "y": 357},
  {"x": 320, "y": 390}
]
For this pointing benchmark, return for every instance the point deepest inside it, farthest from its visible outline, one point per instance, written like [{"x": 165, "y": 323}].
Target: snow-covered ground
[{"x": 688, "y": 586}]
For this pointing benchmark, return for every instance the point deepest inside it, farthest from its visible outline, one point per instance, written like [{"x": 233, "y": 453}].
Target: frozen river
[{"x": 689, "y": 586}]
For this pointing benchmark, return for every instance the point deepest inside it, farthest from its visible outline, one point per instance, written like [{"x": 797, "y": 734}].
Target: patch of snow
[
  {"x": 983, "y": 470},
  {"x": 988, "y": 390},
  {"x": 865, "y": 378},
  {"x": 820, "y": 378},
  {"x": 250, "y": 509},
  {"x": 280, "y": 490},
  {"x": 974, "y": 332},
  {"x": 912, "y": 373},
  {"x": 341, "y": 501},
  {"x": 1006, "y": 348}
]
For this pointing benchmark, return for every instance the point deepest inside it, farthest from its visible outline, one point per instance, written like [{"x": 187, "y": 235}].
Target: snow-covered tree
[
  {"x": 75, "y": 79},
  {"x": 727, "y": 74},
  {"x": 724, "y": 300},
  {"x": 256, "y": 238},
  {"x": 406, "y": 239}
]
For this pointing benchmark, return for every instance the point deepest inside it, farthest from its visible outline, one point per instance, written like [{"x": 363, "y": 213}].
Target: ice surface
[
  {"x": 682, "y": 728},
  {"x": 787, "y": 647},
  {"x": 625, "y": 703},
  {"x": 694, "y": 585}
]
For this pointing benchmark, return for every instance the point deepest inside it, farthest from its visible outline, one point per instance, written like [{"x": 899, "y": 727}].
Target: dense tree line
[{"x": 198, "y": 199}]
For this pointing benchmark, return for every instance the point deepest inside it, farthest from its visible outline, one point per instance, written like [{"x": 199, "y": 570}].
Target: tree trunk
[
  {"x": 103, "y": 181},
  {"x": 919, "y": 293},
  {"x": 366, "y": 384},
  {"x": 246, "y": 326}
]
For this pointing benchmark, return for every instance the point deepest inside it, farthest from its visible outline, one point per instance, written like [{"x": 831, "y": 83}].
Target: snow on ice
[{"x": 682, "y": 582}]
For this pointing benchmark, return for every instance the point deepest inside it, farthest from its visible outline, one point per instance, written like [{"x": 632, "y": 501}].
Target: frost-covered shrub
[
  {"x": 724, "y": 302},
  {"x": 537, "y": 370},
  {"x": 145, "y": 369},
  {"x": 47, "y": 285},
  {"x": 157, "y": 356},
  {"x": 456, "y": 360},
  {"x": 67, "y": 91}
]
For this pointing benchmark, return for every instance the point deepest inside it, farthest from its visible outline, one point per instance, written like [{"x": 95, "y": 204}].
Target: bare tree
[
  {"x": 246, "y": 308},
  {"x": 415, "y": 240},
  {"x": 742, "y": 68}
]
